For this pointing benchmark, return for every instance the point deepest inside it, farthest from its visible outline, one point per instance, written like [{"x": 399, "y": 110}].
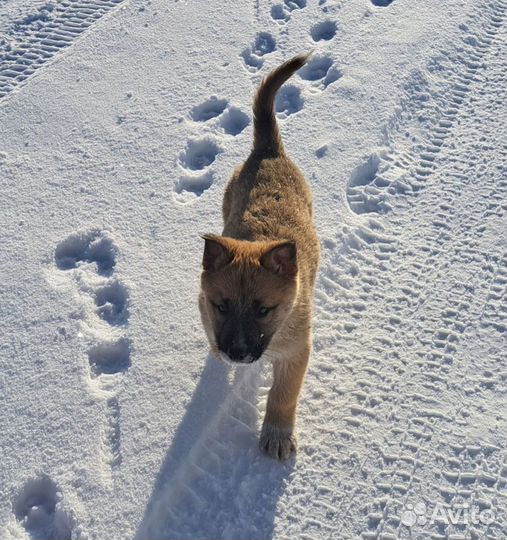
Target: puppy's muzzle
[{"x": 238, "y": 351}]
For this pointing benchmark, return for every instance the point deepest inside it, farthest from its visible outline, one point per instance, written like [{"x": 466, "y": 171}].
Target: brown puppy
[{"x": 258, "y": 278}]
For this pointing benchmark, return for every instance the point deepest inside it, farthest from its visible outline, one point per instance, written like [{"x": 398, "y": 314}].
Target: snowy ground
[{"x": 120, "y": 122}]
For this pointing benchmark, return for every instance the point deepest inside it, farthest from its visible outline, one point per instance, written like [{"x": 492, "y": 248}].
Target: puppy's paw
[{"x": 277, "y": 442}]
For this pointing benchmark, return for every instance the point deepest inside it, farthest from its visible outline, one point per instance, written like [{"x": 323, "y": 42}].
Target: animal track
[
  {"x": 281, "y": 12},
  {"x": 209, "y": 109},
  {"x": 109, "y": 358},
  {"x": 86, "y": 247},
  {"x": 195, "y": 184},
  {"x": 230, "y": 119},
  {"x": 220, "y": 118},
  {"x": 199, "y": 154},
  {"x": 234, "y": 121},
  {"x": 320, "y": 68},
  {"x": 112, "y": 302},
  {"x": 291, "y": 5},
  {"x": 89, "y": 259},
  {"x": 39, "y": 510},
  {"x": 195, "y": 160},
  {"x": 288, "y": 100},
  {"x": 317, "y": 68},
  {"x": 321, "y": 151},
  {"x": 35, "y": 39},
  {"x": 324, "y": 30},
  {"x": 264, "y": 43}
]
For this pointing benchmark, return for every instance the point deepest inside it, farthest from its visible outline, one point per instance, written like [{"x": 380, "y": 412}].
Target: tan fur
[{"x": 267, "y": 203}]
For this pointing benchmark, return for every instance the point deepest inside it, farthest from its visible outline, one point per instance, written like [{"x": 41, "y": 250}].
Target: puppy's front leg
[{"x": 278, "y": 439}]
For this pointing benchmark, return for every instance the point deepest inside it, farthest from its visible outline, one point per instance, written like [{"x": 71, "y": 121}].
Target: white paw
[{"x": 277, "y": 442}]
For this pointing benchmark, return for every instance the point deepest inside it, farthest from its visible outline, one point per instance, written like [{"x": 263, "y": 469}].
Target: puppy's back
[{"x": 268, "y": 197}]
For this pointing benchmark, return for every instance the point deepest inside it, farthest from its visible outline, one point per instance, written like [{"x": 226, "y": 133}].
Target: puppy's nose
[{"x": 237, "y": 350}]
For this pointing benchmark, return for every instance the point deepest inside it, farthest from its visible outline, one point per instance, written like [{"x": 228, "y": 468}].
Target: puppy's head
[{"x": 248, "y": 290}]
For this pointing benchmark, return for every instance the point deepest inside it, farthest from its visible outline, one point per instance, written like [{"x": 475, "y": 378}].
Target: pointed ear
[
  {"x": 281, "y": 259},
  {"x": 216, "y": 253}
]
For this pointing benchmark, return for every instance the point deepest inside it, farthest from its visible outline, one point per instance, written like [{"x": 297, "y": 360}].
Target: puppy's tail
[{"x": 267, "y": 140}]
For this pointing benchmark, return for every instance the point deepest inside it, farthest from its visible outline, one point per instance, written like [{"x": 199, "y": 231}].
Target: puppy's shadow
[{"x": 214, "y": 483}]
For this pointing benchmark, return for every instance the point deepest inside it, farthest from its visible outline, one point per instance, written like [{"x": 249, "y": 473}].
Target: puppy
[{"x": 258, "y": 277}]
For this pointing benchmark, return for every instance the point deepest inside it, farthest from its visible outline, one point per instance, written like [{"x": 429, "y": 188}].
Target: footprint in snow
[
  {"x": 364, "y": 195},
  {"x": 288, "y": 101},
  {"x": 194, "y": 163},
  {"x": 109, "y": 357},
  {"x": 323, "y": 31},
  {"x": 192, "y": 185},
  {"x": 38, "y": 508},
  {"x": 199, "y": 154},
  {"x": 291, "y": 5},
  {"x": 211, "y": 108},
  {"x": 264, "y": 43},
  {"x": 218, "y": 117},
  {"x": 281, "y": 13},
  {"x": 93, "y": 253},
  {"x": 112, "y": 300},
  {"x": 320, "y": 71},
  {"x": 234, "y": 121},
  {"x": 86, "y": 247},
  {"x": 89, "y": 258}
]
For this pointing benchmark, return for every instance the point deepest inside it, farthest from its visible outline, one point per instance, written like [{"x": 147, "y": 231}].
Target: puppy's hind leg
[{"x": 278, "y": 439}]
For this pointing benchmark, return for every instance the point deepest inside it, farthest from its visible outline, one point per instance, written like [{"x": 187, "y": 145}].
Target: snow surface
[{"x": 120, "y": 123}]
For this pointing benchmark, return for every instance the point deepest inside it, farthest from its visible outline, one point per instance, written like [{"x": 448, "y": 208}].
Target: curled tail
[{"x": 267, "y": 140}]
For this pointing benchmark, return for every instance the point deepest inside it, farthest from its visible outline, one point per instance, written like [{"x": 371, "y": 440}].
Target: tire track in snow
[
  {"x": 433, "y": 98},
  {"x": 411, "y": 301},
  {"x": 368, "y": 249},
  {"x": 41, "y": 35},
  {"x": 481, "y": 473},
  {"x": 207, "y": 480}
]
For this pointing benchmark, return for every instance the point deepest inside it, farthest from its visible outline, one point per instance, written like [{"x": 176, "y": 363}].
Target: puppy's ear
[
  {"x": 281, "y": 259},
  {"x": 216, "y": 253}
]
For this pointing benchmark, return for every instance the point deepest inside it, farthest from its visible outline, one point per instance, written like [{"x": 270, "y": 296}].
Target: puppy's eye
[
  {"x": 222, "y": 308},
  {"x": 263, "y": 311}
]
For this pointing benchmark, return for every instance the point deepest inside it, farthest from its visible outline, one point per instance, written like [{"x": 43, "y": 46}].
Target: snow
[{"x": 120, "y": 123}]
